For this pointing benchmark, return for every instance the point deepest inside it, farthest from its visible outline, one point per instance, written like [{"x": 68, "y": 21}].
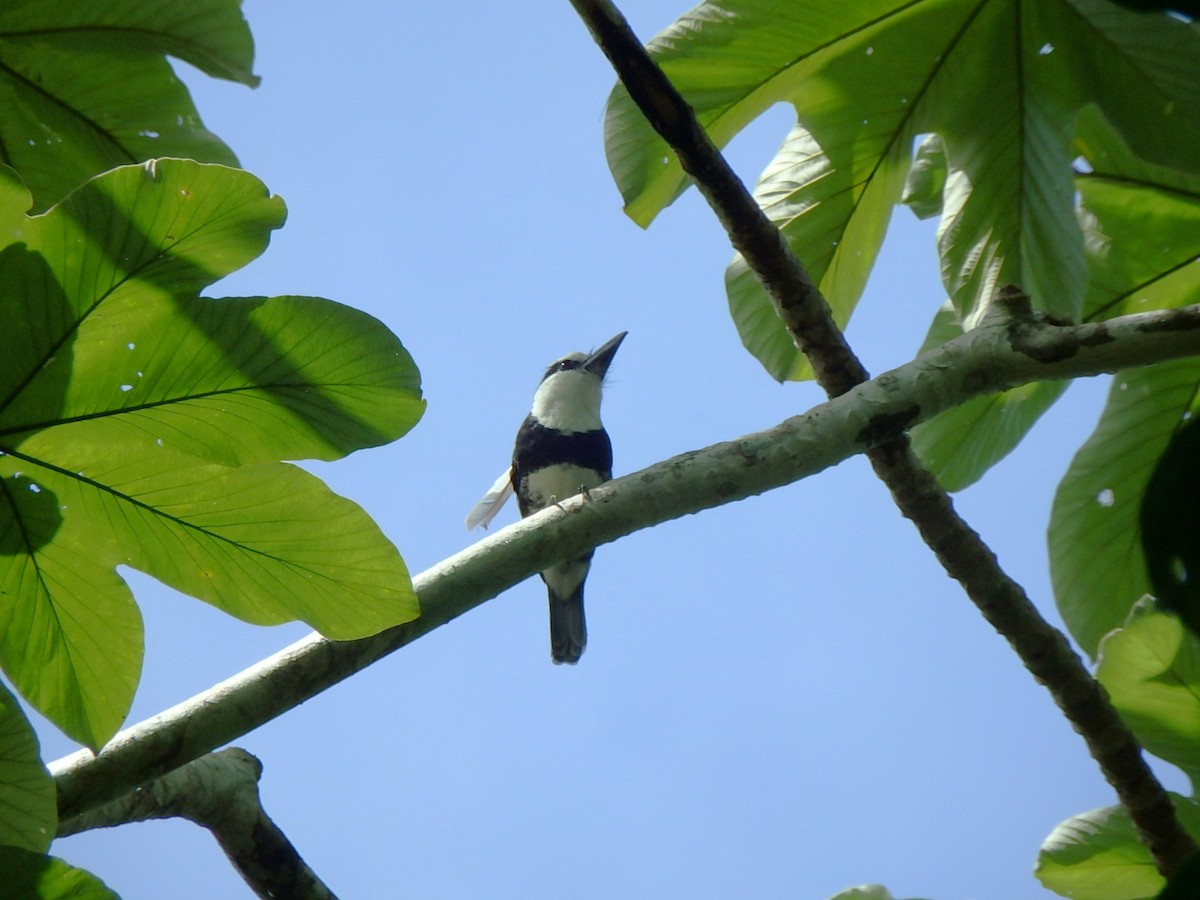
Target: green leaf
[
  {"x": 1142, "y": 227},
  {"x": 926, "y": 179},
  {"x": 1151, "y": 671},
  {"x": 836, "y": 227},
  {"x": 1185, "y": 883},
  {"x": 28, "y": 811},
  {"x": 1142, "y": 230},
  {"x": 33, "y": 876},
  {"x": 1097, "y": 855},
  {"x": 961, "y": 444},
  {"x": 1096, "y": 562},
  {"x": 866, "y": 79},
  {"x": 1170, "y": 523},
  {"x": 864, "y": 892},
  {"x": 86, "y": 87},
  {"x": 141, "y": 425},
  {"x": 70, "y": 633}
]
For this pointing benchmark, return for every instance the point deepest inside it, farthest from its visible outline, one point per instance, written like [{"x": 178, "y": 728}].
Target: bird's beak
[{"x": 599, "y": 360}]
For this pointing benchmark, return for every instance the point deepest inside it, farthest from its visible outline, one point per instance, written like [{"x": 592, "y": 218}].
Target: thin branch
[
  {"x": 966, "y": 558},
  {"x": 798, "y": 301},
  {"x": 1004, "y": 352},
  {"x": 219, "y": 792}
]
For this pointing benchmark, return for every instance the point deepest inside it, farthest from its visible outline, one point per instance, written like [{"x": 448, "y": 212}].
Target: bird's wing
[{"x": 485, "y": 510}]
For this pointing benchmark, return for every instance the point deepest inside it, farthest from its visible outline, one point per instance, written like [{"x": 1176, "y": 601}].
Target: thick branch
[
  {"x": 981, "y": 362},
  {"x": 218, "y": 792},
  {"x": 1003, "y": 602}
]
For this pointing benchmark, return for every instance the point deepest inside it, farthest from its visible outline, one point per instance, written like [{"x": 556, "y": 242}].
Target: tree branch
[
  {"x": 988, "y": 359},
  {"x": 219, "y": 792},
  {"x": 966, "y": 558}
]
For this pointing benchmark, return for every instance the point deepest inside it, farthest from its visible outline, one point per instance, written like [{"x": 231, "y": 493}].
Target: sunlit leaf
[
  {"x": 835, "y": 226},
  {"x": 1142, "y": 227},
  {"x": 926, "y": 179},
  {"x": 142, "y": 425},
  {"x": 28, "y": 813},
  {"x": 1150, "y": 668},
  {"x": 1141, "y": 224},
  {"x": 86, "y": 87},
  {"x": 1098, "y": 856}
]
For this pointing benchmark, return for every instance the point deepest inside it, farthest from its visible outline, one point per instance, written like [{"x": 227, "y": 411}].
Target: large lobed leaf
[
  {"x": 28, "y": 811},
  {"x": 1143, "y": 226},
  {"x": 1141, "y": 223},
  {"x": 140, "y": 425},
  {"x": 999, "y": 82},
  {"x": 85, "y": 87}
]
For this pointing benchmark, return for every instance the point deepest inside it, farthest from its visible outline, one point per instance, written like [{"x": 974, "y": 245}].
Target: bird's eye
[{"x": 564, "y": 365}]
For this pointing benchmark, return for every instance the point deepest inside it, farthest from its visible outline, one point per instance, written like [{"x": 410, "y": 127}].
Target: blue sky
[{"x": 781, "y": 698}]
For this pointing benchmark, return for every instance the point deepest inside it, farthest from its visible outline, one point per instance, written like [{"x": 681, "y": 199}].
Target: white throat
[{"x": 569, "y": 401}]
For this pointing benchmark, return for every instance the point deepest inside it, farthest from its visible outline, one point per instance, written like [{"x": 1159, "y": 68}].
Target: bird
[{"x": 561, "y": 450}]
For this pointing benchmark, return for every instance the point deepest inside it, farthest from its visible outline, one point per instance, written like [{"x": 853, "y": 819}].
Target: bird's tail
[{"x": 568, "y": 629}]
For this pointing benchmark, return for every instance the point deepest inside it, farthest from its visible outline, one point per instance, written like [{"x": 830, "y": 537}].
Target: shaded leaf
[
  {"x": 1097, "y": 855},
  {"x": 1185, "y": 883},
  {"x": 154, "y": 418},
  {"x": 1096, "y": 562},
  {"x": 1151, "y": 671},
  {"x": 34, "y": 876},
  {"x": 28, "y": 810},
  {"x": 86, "y": 87},
  {"x": 1170, "y": 526}
]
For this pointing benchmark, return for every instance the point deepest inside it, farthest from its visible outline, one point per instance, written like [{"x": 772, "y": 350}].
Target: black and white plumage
[{"x": 561, "y": 450}]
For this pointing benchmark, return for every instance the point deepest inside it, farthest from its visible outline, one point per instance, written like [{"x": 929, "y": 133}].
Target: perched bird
[{"x": 562, "y": 449}]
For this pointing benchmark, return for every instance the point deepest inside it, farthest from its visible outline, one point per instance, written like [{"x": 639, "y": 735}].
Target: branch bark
[
  {"x": 1005, "y": 352},
  {"x": 218, "y": 792},
  {"x": 966, "y": 558}
]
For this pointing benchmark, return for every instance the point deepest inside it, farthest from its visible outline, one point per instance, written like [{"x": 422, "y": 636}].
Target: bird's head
[{"x": 568, "y": 399}]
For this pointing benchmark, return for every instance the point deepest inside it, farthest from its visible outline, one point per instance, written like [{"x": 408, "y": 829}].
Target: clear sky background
[{"x": 783, "y": 697}]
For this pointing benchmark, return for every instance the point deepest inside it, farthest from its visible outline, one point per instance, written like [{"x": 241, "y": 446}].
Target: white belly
[{"x": 557, "y": 483}]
